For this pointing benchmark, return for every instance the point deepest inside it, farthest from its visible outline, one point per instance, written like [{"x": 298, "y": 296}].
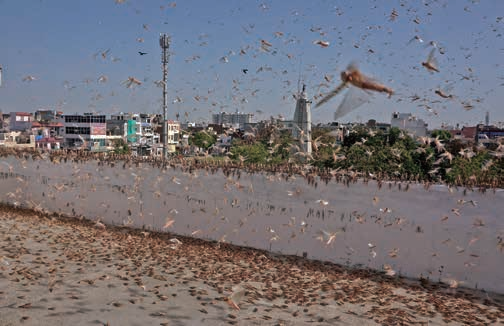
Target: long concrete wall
[{"x": 439, "y": 233}]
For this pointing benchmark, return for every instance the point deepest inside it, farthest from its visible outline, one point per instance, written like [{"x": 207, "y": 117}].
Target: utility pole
[{"x": 164, "y": 42}]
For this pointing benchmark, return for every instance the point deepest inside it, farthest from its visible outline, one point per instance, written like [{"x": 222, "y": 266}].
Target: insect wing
[
  {"x": 431, "y": 58},
  {"x": 353, "y": 99},
  {"x": 238, "y": 294},
  {"x": 331, "y": 94}
]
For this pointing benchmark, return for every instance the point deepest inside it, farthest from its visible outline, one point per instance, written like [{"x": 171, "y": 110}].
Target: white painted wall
[{"x": 245, "y": 210}]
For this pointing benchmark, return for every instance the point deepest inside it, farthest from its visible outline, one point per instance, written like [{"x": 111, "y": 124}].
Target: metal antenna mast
[
  {"x": 164, "y": 42},
  {"x": 299, "y": 76}
]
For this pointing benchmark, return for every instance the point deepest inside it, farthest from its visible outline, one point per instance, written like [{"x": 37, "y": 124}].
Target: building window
[
  {"x": 85, "y": 119},
  {"x": 78, "y": 130}
]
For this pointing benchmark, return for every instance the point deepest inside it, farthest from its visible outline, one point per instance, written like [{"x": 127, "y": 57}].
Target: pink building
[{"x": 48, "y": 143}]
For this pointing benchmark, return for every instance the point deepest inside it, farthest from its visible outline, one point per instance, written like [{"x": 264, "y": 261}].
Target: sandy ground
[{"x": 63, "y": 271}]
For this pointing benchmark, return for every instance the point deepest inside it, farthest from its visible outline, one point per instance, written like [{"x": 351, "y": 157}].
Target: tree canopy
[
  {"x": 202, "y": 139},
  {"x": 387, "y": 155}
]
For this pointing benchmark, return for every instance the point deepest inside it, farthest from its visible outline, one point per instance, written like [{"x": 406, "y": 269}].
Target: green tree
[
  {"x": 121, "y": 147},
  {"x": 249, "y": 153},
  {"x": 355, "y": 136},
  {"x": 394, "y": 134},
  {"x": 202, "y": 139},
  {"x": 282, "y": 148},
  {"x": 441, "y": 134}
]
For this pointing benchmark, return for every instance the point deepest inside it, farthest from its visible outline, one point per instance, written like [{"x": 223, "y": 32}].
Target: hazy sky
[{"x": 60, "y": 43}]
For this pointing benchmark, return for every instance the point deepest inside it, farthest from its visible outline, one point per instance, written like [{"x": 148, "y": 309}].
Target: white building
[
  {"x": 410, "y": 123},
  {"x": 144, "y": 129},
  {"x": 302, "y": 120},
  {"x": 173, "y": 133},
  {"x": 237, "y": 119},
  {"x": 87, "y": 130},
  {"x": 17, "y": 139}
]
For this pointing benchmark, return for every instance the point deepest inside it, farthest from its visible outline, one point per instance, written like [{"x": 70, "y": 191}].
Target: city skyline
[{"x": 79, "y": 57}]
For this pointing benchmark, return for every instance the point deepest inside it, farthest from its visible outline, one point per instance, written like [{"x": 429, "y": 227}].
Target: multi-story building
[
  {"x": 491, "y": 132},
  {"x": 138, "y": 129},
  {"x": 142, "y": 126},
  {"x": 173, "y": 136},
  {"x": 87, "y": 130},
  {"x": 465, "y": 133},
  {"x": 173, "y": 133},
  {"x": 117, "y": 125},
  {"x": 48, "y": 128},
  {"x": 143, "y": 132},
  {"x": 47, "y": 115},
  {"x": 236, "y": 119},
  {"x": 381, "y": 126},
  {"x": 20, "y": 121},
  {"x": 124, "y": 125},
  {"x": 410, "y": 123}
]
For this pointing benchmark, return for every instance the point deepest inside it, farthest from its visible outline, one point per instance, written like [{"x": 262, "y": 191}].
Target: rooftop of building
[
  {"x": 22, "y": 114},
  {"x": 40, "y": 124}
]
